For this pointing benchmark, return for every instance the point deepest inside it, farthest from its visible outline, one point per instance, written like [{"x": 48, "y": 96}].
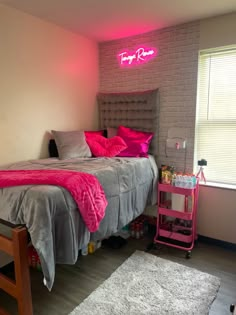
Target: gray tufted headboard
[{"x": 138, "y": 110}]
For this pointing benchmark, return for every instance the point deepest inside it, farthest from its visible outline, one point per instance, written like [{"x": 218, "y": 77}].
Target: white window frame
[{"x": 206, "y": 121}]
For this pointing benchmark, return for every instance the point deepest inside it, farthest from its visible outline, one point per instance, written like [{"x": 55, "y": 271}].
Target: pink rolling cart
[{"x": 177, "y": 228}]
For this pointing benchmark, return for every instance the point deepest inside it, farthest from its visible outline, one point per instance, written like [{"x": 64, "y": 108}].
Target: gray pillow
[{"x": 71, "y": 144}]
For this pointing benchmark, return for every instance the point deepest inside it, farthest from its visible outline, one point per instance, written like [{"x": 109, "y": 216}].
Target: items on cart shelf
[
  {"x": 185, "y": 181},
  {"x": 167, "y": 174},
  {"x": 179, "y": 179},
  {"x": 176, "y": 225}
]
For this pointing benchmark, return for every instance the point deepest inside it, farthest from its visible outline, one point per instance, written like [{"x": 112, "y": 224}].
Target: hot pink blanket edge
[{"x": 84, "y": 188}]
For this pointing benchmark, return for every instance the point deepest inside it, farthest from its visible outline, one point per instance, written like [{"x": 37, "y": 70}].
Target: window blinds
[{"x": 216, "y": 115}]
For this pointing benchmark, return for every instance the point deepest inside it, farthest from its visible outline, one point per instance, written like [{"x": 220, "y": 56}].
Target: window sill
[{"x": 218, "y": 185}]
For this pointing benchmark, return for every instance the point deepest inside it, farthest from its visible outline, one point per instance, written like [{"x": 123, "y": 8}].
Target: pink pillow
[
  {"x": 91, "y": 134},
  {"x": 101, "y": 146},
  {"x": 137, "y": 141}
]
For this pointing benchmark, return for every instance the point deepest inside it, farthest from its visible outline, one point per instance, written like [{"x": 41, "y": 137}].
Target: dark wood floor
[{"x": 74, "y": 283}]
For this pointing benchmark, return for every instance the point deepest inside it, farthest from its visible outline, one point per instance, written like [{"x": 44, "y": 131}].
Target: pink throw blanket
[{"x": 84, "y": 188}]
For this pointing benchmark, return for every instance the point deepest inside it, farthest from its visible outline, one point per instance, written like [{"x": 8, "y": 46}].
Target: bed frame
[
  {"x": 138, "y": 110},
  {"x": 14, "y": 242}
]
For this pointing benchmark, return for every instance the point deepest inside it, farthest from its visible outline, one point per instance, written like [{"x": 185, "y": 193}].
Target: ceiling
[{"x": 103, "y": 20}]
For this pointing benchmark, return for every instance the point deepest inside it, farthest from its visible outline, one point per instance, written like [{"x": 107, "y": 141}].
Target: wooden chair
[{"x": 13, "y": 241}]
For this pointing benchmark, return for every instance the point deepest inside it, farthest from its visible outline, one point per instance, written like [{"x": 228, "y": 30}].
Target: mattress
[{"x": 51, "y": 216}]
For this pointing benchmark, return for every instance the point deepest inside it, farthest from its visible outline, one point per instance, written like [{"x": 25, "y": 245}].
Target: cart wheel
[
  {"x": 232, "y": 307},
  {"x": 188, "y": 254}
]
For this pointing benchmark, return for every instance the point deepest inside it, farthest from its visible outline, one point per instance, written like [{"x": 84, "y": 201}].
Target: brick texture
[{"x": 173, "y": 71}]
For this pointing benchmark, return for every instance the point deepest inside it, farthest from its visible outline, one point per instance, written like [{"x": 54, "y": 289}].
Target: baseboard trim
[{"x": 213, "y": 241}]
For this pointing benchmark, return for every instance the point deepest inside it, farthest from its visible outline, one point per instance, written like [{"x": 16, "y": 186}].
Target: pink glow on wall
[{"x": 139, "y": 56}]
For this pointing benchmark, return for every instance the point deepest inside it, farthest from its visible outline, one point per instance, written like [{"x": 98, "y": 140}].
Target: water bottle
[
  {"x": 194, "y": 181},
  {"x": 184, "y": 181},
  {"x": 177, "y": 181},
  {"x": 189, "y": 182}
]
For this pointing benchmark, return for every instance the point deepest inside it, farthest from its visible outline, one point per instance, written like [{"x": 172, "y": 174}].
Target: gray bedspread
[{"x": 56, "y": 228}]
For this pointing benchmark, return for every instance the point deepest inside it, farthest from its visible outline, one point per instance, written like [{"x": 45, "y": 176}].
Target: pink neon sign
[{"x": 140, "y": 56}]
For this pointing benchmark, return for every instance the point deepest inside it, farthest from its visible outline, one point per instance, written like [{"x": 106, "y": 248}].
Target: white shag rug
[{"x": 146, "y": 284}]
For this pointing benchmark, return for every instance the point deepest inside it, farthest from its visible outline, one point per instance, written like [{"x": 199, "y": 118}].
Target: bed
[{"x": 54, "y": 223}]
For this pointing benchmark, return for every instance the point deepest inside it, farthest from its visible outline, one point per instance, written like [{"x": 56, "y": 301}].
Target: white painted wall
[
  {"x": 49, "y": 80},
  {"x": 217, "y": 213},
  {"x": 218, "y": 31},
  {"x": 217, "y": 207}
]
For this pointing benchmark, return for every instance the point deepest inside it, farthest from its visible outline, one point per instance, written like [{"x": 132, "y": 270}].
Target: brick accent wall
[{"x": 173, "y": 71}]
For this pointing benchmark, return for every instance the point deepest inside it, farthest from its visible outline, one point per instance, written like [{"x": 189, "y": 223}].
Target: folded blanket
[{"x": 84, "y": 188}]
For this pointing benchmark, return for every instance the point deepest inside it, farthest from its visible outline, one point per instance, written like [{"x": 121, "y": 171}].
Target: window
[{"x": 216, "y": 114}]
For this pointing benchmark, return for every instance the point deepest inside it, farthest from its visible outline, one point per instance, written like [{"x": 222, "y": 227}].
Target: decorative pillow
[
  {"x": 71, "y": 144},
  {"x": 137, "y": 141},
  {"x": 101, "y": 146},
  {"x": 111, "y": 132},
  {"x": 89, "y": 134}
]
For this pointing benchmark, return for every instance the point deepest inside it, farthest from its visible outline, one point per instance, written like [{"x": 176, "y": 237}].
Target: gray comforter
[{"x": 56, "y": 228}]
